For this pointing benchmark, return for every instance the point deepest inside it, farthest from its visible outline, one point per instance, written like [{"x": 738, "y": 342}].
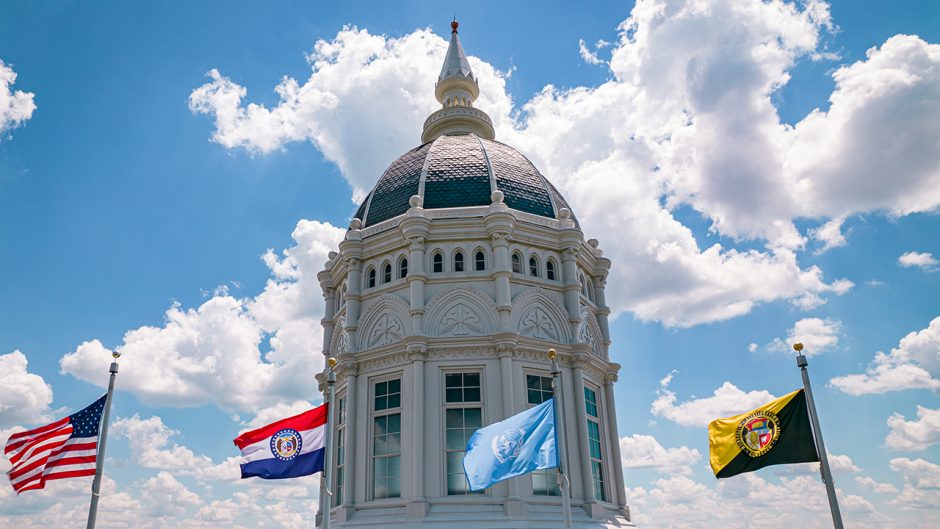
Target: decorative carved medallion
[
  {"x": 387, "y": 329},
  {"x": 537, "y": 324},
  {"x": 461, "y": 321}
]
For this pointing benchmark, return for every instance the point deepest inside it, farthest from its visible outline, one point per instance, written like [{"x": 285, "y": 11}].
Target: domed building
[{"x": 459, "y": 271}]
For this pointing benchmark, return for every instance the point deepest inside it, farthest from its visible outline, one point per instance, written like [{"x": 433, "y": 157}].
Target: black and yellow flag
[{"x": 777, "y": 433}]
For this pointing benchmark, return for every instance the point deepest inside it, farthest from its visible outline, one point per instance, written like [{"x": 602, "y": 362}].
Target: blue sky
[{"x": 133, "y": 183}]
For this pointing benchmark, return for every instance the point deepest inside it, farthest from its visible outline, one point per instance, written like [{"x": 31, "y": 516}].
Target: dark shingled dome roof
[{"x": 459, "y": 171}]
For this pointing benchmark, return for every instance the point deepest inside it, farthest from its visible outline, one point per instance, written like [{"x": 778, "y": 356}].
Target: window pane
[
  {"x": 458, "y": 262},
  {"x": 394, "y": 401},
  {"x": 471, "y": 379},
  {"x": 381, "y": 389},
  {"x": 471, "y": 395},
  {"x": 381, "y": 425},
  {"x": 454, "y": 395},
  {"x": 394, "y": 423},
  {"x": 455, "y": 440},
  {"x": 381, "y": 403},
  {"x": 394, "y": 443},
  {"x": 453, "y": 380},
  {"x": 454, "y": 418},
  {"x": 473, "y": 418},
  {"x": 394, "y": 386}
]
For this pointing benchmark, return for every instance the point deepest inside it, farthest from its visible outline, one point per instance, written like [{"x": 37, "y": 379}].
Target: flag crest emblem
[
  {"x": 508, "y": 444},
  {"x": 757, "y": 433},
  {"x": 286, "y": 444}
]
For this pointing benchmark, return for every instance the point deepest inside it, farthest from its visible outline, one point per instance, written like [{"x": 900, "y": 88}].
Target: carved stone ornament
[
  {"x": 588, "y": 332},
  {"x": 461, "y": 321},
  {"x": 537, "y": 324},
  {"x": 387, "y": 329}
]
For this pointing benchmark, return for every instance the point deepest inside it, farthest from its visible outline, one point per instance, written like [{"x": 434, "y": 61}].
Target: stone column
[
  {"x": 618, "y": 495},
  {"x": 583, "y": 449},
  {"x": 569, "y": 266},
  {"x": 415, "y": 229},
  {"x": 329, "y": 318},
  {"x": 514, "y": 506},
  {"x": 353, "y": 286},
  {"x": 417, "y": 506},
  {"x": 603, "y": 311},
  {"x": 349, "y": 485},
  {"x": 499, "y": 225}
]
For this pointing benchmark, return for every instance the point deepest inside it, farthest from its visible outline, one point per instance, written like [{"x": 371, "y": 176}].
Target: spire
[
  {"x": 455, "y": 62},
  {"x": 457, "y": 89}
]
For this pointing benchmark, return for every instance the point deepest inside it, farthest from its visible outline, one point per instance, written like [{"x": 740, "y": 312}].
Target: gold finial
[
  {"x": 331, "y": 362},
  {"x": 798, "y": 347},
  {"x": 115, "y": 355},
  {"x": 552, "y": 354}
]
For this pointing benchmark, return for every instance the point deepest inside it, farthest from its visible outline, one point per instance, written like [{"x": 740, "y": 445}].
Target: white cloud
[
  {"x": 202, "y": 355},
  {"x": 168, "y": 496},
  {"x": 682, "y": 503},
  {"x": 589, "y": 56},
  {"x": 726, "y": 401},
  {"x": 150, "y": 444},
  {"x": 16, "y": 106},
  {"x": 817, "y": 336},
  {"x": 644, "y": 451},
  {"x": 923, "y": 260},
  {"x": 279, "y": 411},
  {"x": 830, "y": 235},
  {"x": 752, "y": 347},
  {"x": 881, "y": 488},
  {"x": 921, "y": 486},
  {"x": 914, "y": 363},
  {"x": 24, "y": 397},
  {"x": 837, "y": 463},
  {"x": 914, "y": 435}
]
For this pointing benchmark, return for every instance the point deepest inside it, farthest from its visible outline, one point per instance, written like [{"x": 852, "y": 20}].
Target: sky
[{"x": 173, "y": 175}]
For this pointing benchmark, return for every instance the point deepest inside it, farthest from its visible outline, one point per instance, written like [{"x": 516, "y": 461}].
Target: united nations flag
[
  {"x": 777, "y": 433},
  {"x": 518, "y": 445}
]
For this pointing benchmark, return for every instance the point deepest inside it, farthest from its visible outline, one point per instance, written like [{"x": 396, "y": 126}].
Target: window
[
  {"x": 371, "y": 275},
  {"x": 479, "y": 261},
  {"x": 340, "y": 451},
  {"x": 387, "y": 273},
  {"x": 386, "y": 440},
  {"x": 538, "y": 390},
  {"x": 550, "y": 269},
  {"x": 463, "y": 415},
  {"x": 458, "y": 262},
  {"x": 533, "y": 266},
  {"x": 516, "y": 263},
  {"x": 438, "y": 263},
  {"x": 589, "y": 285},
  {"x": 403, "y": 268},
  {"x": 594, "y": 443},
  {"x": 583, "y": 285}
]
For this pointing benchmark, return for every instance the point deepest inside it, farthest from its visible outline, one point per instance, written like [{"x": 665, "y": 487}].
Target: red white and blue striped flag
[
  {"x": 66, "y": 448},
  {"x": 288, "y": 448}
]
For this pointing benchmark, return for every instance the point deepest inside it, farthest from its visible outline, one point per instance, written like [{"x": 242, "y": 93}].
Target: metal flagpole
[
  {"x": 328, "y": 463},
  {"x": 820, "y": 445},
  {"x": 102, "y": 442},
  {"x": 563, "y": 482}
]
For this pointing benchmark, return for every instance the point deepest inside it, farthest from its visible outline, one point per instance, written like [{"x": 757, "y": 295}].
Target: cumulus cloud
[
  {"x": 680, "y": 502},
  {"x": 644, "y": 451},
  {"x": 918, "y": 434},
  {"x": 817, "y": 336},
  {"x": 923, "y": 260},
  {"x": 203, "y": 355},
  {"x": 276, "y": 412},
  {"x": 881, "y": 488},
  {"x": 24, "y": 397},
  {"x": 921, "y": 486},
  {"x": 726, "y": 401},
  {"x": 16, "y": 107},
  {"x": 914, "y": 363},
  {"x": 829, "y": 235}
]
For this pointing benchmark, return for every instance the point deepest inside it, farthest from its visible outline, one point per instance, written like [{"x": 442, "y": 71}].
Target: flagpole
[
  {"x": 102, "y": 443},
  {"x": 328, "y": 463},
  {"x": 560, "y": 430},
  {"x": 820, "y": 445}
]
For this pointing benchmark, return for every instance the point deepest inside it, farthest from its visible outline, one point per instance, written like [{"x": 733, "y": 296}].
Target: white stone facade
[{"x": 467, "y": 345}]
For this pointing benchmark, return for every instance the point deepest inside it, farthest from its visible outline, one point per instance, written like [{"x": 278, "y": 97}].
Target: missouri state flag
[
  {"x": 776, "y": 433},
  {"x": 288, "y": 448}
]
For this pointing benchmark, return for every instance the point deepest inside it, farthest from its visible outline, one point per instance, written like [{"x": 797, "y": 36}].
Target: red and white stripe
[{"x": 49, "y": 452}]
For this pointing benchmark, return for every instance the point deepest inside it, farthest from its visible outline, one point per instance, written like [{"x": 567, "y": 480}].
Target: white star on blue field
[{"x": 173, "y": 175}]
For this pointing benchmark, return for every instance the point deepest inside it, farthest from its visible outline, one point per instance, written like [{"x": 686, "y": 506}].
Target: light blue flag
[{"x": 518, "y": 445}]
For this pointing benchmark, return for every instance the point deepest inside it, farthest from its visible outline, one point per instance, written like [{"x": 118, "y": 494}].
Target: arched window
[
  {"x": 387, "y": 273},
  {"x": 438, "y": 262},
  {"x": 479, "y": 261},
  {"x": 371, "y": 275},
  {"x": 458, "y": 261},
  {"x": 533, "y": 266},
  {"x": 403, "y": 268},
  {"x": 516, "y": 263},
  {"x": 550, "y": 269},
  {"x": 583, "y": 286},
  {"x": 590, "y": 290}
]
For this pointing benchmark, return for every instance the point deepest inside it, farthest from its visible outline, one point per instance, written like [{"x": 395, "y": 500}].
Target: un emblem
[
  {"x": 286, "y": 444},
  {"x": 508, "y": 444}
]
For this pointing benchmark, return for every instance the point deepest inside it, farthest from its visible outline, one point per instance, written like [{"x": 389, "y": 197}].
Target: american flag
[{"x": 66, "y": 448}]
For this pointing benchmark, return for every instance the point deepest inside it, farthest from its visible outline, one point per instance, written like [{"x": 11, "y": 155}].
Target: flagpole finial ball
[
  {"x": 115, "y": 355},
  {"x": 552, "y": 354},
  {"x": 331, "y": 362},
  {"x": 798, "y": 347}
]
